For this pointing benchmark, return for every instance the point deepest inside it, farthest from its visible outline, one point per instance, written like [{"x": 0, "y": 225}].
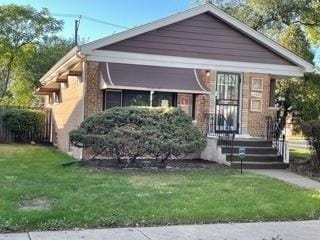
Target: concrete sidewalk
[
  {"x": 304, "y": 230},
  {"x": 288, "y": 177}
]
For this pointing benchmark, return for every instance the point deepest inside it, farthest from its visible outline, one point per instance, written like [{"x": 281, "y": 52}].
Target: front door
[{"x": 227, "y": 102}]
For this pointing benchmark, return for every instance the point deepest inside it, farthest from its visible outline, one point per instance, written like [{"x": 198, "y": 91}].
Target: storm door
[{"x": 227, "y": 102}]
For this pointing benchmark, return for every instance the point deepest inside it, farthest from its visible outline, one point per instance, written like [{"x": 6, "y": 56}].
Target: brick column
[
  {"x": 244, "y": 102},
  {"x": 93, "y": 96},
  {"x": 93, "y": 93},
  {"x": 256, "y": 120},
  {"x": 205, "y": 103}
]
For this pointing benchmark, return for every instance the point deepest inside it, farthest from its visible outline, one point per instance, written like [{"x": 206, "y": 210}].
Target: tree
[
  {"x": 311, "y": 129},
  {"x": 274, "y": 16},
  {"x": 20, "y": 26},
  {"x": 294, "y": 93}
]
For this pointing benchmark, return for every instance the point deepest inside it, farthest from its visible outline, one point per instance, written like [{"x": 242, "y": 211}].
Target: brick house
[{"x": 202, "y": 60}]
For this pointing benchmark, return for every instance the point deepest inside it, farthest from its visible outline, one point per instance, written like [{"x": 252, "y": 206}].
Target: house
[{"x": 218, "y": 70}]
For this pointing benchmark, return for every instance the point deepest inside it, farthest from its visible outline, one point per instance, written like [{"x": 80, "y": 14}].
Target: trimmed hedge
[
  {"x": 132, "y": 132},
  {"x": 23, "y": 121}
]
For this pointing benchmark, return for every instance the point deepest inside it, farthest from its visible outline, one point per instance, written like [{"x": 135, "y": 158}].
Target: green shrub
[
  {"x": 132, "y": 132},
  {"x": 311, "y": 130},
  {"x": 21, "y": 121}
]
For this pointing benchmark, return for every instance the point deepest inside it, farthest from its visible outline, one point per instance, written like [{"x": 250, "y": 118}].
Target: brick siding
[
  {"x": 256, "y": 121},
  {"x": 67, "y": 115}
]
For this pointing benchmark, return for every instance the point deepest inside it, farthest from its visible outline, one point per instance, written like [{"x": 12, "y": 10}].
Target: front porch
[{"x": 270, "y": 151}]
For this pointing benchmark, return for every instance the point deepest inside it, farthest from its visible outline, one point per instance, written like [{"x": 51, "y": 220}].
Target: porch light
[{"x": 208, "y": 73}]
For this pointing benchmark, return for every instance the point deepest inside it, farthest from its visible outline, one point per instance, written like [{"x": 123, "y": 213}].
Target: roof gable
[
  {"x": 258, "y": 37},
  {"x": 203, "y": 36}
]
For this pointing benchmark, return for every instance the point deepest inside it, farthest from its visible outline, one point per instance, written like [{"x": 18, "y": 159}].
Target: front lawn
[
  {"x": 300, "y": 155},
  {"x": 38, "y": 193}
]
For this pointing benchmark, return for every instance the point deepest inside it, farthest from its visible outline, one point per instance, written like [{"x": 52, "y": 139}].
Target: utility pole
[{"x": 76, "y": 29}]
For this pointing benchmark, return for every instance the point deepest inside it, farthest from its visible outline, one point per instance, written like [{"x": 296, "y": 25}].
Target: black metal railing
[
  {"x": 275, "y": 134},
  {"x": 222, "y": 131}
]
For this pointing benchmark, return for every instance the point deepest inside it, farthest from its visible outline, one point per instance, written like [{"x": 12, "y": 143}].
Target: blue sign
[{"x": 242, "y": 152}]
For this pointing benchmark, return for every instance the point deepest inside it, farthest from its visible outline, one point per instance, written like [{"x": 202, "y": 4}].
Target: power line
[{"x": 90, "y": 19}]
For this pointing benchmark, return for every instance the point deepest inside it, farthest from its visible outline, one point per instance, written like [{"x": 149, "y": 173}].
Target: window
[
  {"x": 50, "y": 99},
  {"x": 56, "y": 97},
  {"x": 187, "y": 103},
  {"x": 119, "y": 98},
  {"x": 272, "y": 100},
  {"x": 112, "y": 99},
  {"x": 164, "y": 99},
  {"x": 136, "y": 98}
]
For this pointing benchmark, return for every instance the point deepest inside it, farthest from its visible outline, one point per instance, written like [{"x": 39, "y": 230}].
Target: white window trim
[{"x": 194, "y": 63}]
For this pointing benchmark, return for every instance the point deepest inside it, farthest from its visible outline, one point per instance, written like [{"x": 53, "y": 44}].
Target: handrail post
[{"x": 283, "y": 143}]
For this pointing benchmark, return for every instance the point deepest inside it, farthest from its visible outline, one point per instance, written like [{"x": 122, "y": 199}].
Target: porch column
[{"x": 244, "y": 101}]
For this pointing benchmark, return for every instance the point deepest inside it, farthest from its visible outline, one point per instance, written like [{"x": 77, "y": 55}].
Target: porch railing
[{"x": 278, "y": 138}]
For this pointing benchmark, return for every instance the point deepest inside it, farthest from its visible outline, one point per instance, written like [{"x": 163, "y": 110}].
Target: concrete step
[
  {"x": 248, "y": 143},
  {"x": 250, "y": 150},
  {"x": 257, "y": 165},
  {"x": 255, "y": 158}
]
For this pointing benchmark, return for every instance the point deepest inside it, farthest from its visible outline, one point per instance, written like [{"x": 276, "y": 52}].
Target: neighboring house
[{"x": 218, "y": 70}]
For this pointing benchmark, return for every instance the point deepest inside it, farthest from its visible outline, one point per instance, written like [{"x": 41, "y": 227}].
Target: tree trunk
[{"x": 7, "y": 77}]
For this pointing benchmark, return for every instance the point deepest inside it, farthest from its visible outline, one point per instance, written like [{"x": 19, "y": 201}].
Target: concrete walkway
[
  {"x": 306, "y": 230},
  {"x": 288, "y": 177}
]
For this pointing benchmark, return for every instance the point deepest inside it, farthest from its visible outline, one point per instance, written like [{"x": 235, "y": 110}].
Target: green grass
[
  {"x": 300, "y": 155},
  {"x": 295, "y": 137},
  {"x": 83, "y": 197}
]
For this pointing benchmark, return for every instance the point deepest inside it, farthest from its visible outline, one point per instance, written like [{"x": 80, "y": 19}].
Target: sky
[{"x": 129, "y": 13}]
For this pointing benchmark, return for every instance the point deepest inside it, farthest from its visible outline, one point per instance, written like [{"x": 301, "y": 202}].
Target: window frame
[{"x": 104, "y": 104}]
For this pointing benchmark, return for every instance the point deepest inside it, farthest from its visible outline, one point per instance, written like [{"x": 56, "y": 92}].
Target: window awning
[{"x": 141, "y": 77}]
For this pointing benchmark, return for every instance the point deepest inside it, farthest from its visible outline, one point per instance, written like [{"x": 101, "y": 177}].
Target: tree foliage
[
  {"x": 311, "y": 129},
  {"x": 27, "y": 50},
  {"x": 274, "y": 16},
  {"x": 132, "y": 132}
]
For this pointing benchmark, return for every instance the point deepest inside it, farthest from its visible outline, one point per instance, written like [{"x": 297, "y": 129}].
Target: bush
[
  {"x": 311, "y": 130},
  {"x": 132, "y": 132},
  {"x": 22, "y": 121}
]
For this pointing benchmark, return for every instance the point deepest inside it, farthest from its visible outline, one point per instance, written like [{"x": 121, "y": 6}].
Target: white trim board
[
  {"x": 183, "y": 62},
  {"x": 89, "y": 47},
  {"x": 118, "y": 87}
]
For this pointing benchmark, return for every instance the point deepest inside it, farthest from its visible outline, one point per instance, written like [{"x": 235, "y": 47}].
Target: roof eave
[{"x": 73, "y": 54}]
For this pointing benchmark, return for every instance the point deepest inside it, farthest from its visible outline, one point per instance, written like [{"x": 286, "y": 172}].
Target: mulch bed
[{"x": 152, "y": 164}]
